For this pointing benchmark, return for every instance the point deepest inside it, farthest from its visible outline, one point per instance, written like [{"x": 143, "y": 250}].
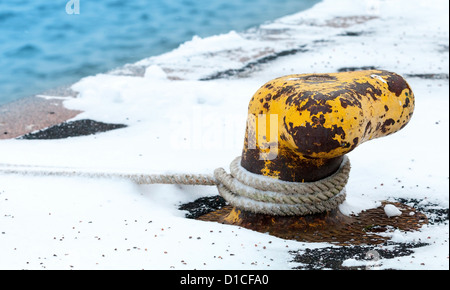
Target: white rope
[
  {"x": 188, "y": 179},
  {"x": 261, "y": 194},
  {"x": 241, "y": 188}
]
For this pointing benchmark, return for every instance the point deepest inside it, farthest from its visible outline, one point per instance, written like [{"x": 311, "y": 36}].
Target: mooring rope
[
  {"x": 177, "y": 178},
  {"x": 261, "y": 194},
  {"x": 240, "y": 188}
]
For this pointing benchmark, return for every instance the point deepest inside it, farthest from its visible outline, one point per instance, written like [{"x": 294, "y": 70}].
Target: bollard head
[{"x": 300, "y": 126}]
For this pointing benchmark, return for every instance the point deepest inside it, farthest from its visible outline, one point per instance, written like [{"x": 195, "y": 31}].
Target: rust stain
[{"x": 332, "y": 227}]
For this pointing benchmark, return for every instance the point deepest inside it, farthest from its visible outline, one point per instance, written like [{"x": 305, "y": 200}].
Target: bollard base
[{"x": 332, "y": 227}]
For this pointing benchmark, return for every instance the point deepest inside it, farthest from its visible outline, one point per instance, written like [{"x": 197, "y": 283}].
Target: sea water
[{"x": 45, "y": 44}]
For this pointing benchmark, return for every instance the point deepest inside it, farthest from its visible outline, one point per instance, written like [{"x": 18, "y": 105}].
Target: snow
[
  {"x": 179, "y": 123},
  {"x": 392, "y": 211},
  {"x": 355, "y": 263}
]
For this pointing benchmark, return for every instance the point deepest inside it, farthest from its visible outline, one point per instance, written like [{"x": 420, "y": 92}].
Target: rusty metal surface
[
  {"x": 299, "y": 126},
  {"x": 332, "y": 227}
]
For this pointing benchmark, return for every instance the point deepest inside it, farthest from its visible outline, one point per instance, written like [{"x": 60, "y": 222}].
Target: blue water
[{"x": 43, "y": 47}]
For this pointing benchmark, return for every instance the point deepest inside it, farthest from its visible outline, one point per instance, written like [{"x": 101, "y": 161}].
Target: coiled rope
[
  {"x": 260, "y": 194},
  {"x": 240, "y": 188}
]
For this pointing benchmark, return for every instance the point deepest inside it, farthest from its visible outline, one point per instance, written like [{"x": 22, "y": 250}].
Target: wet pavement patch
[
  {"x": 435, "y": 214},
  {"x": 432, "y": 76},
  {"x": 72, "y": 129},
  {"x": 203, "y": 206},
  {"x": 333, "y": 257},
  {"x": 354, "y": 68},
  {"x": 353, "y": 33},
  {"x": 254, "y": 64}
]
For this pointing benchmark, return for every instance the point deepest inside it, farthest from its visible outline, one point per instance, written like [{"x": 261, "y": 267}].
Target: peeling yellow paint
[
  {"x": 324, "y": 116},
  {"x": 233, "y": 217}
]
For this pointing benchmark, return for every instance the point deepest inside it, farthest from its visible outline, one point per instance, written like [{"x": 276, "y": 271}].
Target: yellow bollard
[
  {"x": 299, "y": 129},
  {"x": 320, "y": 118}
]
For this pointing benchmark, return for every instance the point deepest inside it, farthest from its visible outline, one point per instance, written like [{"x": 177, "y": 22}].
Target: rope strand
[
  {"x": 241, "y": 188},
  {"x": 187, "y": 179}
]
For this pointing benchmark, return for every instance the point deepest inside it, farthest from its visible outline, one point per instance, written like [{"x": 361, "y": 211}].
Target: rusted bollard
[
  {"x": 320, "y": 118},
  {"x": 299, "y": 129}
]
